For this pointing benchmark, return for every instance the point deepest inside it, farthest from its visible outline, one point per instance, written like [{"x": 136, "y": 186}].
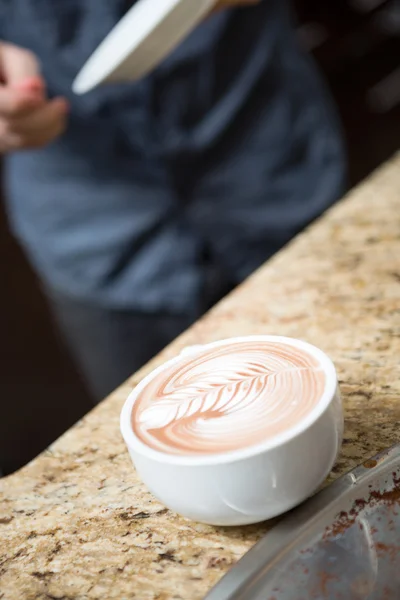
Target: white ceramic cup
[{"x": 252, "y": 484}]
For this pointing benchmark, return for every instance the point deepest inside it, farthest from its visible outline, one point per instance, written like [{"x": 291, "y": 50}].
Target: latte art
[{"x": 227, "y": 398}]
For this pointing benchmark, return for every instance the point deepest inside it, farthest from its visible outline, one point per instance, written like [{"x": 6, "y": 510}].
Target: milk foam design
[{"x": 228, "y": 397}]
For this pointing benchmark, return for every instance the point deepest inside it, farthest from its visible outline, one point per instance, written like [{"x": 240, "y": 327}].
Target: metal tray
[{"x": 342, "y": 544}]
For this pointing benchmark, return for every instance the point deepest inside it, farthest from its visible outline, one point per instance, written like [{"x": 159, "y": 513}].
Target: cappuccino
[{"x": 228, "y": 397}]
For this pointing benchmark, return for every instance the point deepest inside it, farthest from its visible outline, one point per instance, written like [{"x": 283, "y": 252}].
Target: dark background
[{"x": 357, "y": 46}]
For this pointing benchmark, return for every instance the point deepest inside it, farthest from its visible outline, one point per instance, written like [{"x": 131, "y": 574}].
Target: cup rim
[{"x": 134, "y": 443}]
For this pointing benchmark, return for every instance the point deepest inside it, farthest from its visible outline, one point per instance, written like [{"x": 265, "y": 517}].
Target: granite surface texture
[{"x": 76, "y": 523}]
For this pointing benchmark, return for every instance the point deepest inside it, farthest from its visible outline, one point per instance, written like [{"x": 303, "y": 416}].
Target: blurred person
[{"x": 139, "y": 205}]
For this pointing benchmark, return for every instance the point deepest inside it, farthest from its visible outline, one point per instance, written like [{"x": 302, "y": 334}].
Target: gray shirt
[{"x": 197, "y": 173}]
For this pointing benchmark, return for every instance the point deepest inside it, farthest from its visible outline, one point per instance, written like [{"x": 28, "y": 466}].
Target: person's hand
[{"x": 27, "y": 118}]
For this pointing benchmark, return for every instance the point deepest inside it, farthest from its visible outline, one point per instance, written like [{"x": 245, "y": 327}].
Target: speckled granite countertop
[{"x": 77, "y": 524}]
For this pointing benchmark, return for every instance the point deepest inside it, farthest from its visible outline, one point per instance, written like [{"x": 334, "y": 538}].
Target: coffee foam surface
[{"x": 228, "y": 398}]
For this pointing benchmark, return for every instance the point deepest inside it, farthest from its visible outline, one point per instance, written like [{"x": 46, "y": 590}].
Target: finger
[
  {"x": 23, "y": 88},
  {"x": 40, "y": 139},
  {"x": 14, "y": 141},
  {"x": 17, "y": 64},
  {"x": 31, "y": 85},
  {"x": 16, "y": 103},
  {"x": 39, "y": 131},
  {"x": 45, "y": 117}
]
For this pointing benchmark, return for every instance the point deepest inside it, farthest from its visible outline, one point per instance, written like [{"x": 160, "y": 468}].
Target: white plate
[{"x": 148, "y": 32}]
